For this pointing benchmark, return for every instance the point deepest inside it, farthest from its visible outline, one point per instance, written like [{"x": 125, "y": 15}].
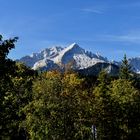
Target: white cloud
[
  {"x": 92, "y": 10},
  {"x": 128, "y": 38}
]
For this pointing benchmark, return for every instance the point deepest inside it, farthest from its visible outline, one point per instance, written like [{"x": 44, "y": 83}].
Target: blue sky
[{"x": 109, "y": 27}]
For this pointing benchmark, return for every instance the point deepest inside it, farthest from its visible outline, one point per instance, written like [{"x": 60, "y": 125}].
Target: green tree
[
  {"x": 76, "y": 108},
  {"x": 125, "y": 69},
  {"x": 102, "y": 108},
  {"x": 125, "y": 101},
  {"x": 7, "y": 69},
  {"x": 16, "y": 97},
  {"x": 58, "y": 110},
  {"x": 15, "y": 92},
  {"x": 116, "y": 109},
  {"x": 6, "y": 64}
]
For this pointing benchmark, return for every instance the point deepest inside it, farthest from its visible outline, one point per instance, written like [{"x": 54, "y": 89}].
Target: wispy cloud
[
  {"x": 127, "y": 38},
  {"x": 92, "y": 10}
]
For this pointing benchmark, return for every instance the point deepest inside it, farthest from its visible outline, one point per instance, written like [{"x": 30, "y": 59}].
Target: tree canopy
[{"x": 66, "y": 106}]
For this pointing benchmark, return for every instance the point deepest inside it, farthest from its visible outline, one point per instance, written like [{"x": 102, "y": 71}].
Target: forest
[{"x": 53, "y": 105}]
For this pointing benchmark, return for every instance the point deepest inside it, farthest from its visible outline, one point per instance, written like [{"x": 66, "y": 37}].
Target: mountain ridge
[{"x": 56, "y": 57}]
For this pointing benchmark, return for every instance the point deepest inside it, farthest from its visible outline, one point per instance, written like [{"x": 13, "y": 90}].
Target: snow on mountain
[
  {"x": 45, "y": 64},
  {"x": 135, "y": 64},
  {"x": 68, "y": 53},
  {"x": 78, "y": 55},
  {"x": 97, "y": 55},
  {"x": 40, "y": 57},
  {"x": 58, "y": 56}
]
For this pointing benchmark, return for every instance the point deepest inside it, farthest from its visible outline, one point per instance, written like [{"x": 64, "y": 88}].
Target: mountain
[
  {"x": 74, "y": 56},
  {"x": 135, "y": 64},
  {"x": 46, "y": 54},
  {"x": 110, "y": 68}
]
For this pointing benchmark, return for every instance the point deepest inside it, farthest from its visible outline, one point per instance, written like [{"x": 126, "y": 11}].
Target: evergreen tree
[
  {"x": 125, "y": 69},
  {"x": 125, "y": 102},
  {"x": 116, "y": 109},
  {"x": 102, "y": 108}
]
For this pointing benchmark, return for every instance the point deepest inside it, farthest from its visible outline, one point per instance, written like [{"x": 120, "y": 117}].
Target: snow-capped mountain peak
[
  {"x": 75, "y": 47},
  {"x": 57, "y": 56},
  {"x": 68, "y": 53}
]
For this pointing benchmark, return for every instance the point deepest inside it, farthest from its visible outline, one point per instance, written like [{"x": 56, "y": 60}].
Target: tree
[
  {"x": 16, "y": 96},
  {"x": 125, "y": 101},
  {"x": 125, "y": 69},
  {"x": 58, "y": 109},
  {"x": 42, "y": 113},
  {"x": 76, "y": 108},
  {"x": 102, "y": 108},
  {"x": 15, "y": 91},
  {"x": 6, "y": 65},
  {"x": 116, "y": 109},
  {"x": 7, "y": 69}
]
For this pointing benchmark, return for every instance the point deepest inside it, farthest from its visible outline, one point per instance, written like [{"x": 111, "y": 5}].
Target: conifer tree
[
  {"x": 102, "y": 108},
  {"x": 125, "y": 101},
  {"x": 125, "y": 69}
]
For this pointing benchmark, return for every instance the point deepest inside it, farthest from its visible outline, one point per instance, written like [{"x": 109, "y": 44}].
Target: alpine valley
[{"x": 76, "y": 58}]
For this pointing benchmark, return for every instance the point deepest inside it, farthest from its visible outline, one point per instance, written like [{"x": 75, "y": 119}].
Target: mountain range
[{"x": 76, "y": 58}]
